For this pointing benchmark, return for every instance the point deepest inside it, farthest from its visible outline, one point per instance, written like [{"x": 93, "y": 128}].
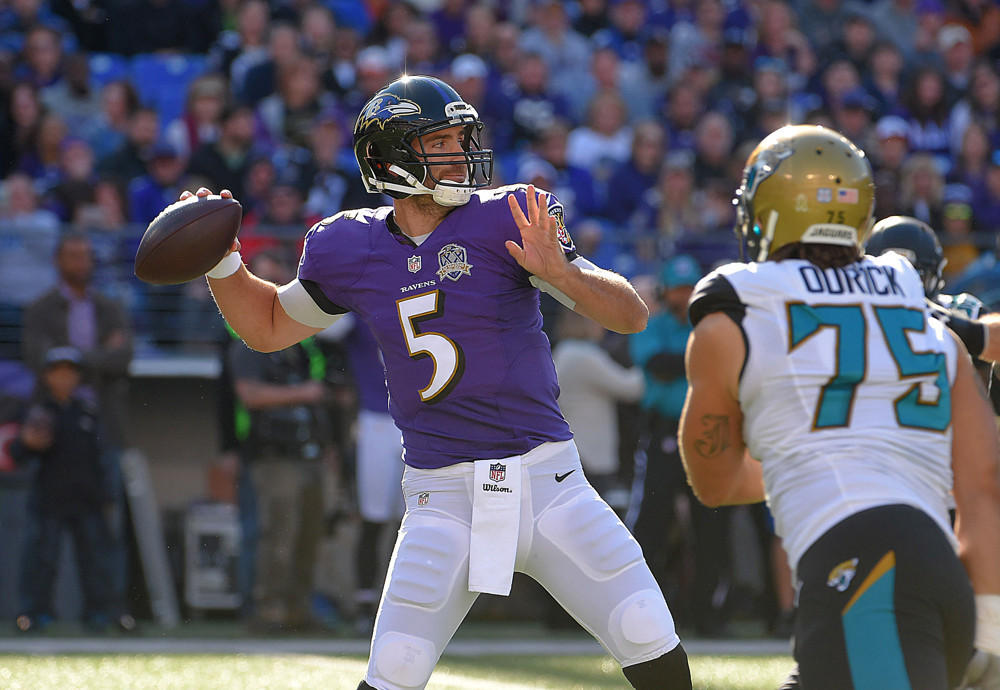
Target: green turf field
[{"x": 238, "y": 672}]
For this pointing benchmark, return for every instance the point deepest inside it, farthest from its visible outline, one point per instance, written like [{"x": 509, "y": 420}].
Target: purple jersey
[
  {"x": 469, "y": 369},
  {"x": 366, "y": 366}
]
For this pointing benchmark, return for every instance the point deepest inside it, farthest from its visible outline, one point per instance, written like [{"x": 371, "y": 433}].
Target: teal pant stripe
[{"x": 873, "y": 649}]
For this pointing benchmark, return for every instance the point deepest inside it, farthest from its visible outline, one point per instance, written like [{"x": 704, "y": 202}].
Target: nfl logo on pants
[{"x": 498, "y": 471}]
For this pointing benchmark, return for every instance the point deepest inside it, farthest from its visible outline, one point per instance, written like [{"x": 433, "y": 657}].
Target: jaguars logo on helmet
[
  {"x": 917, "y": 242},
  {"x": 387, "y": 142},
  {"x": 803, "y": 183}
]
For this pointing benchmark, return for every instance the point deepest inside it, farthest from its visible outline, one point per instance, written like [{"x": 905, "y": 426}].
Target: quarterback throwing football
[{"x": 448, "y": 280}]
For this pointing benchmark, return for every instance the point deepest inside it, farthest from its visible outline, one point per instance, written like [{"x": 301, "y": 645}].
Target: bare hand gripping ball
[{"x": 187, "y": 239}]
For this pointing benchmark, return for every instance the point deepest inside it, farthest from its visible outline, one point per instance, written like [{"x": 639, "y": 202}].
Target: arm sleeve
[{"x": 715, "y": 293}]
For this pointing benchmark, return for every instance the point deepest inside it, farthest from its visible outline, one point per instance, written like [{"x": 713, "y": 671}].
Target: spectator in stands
[
  {"x": 824, "y": 24},
  {"x": 856, "y": 42},
  {"x": 107, "y": 213},
  {"x": 74, "y": 185},
  {"x": 888, "y": 157},
  {"x": 449, "y": 24},
  {"x": 98, "y": 327},
  {"x": 674, "y": 207},
  {"x": 921, "y": 189},
  {"x": 128, "y": 161},
  {"x": 980, "y": 104},
  {"x": 390, "y": 30},
  {"x": 160, "y": 186},
  {"x": 896, "y": 21},
  {"x": 108, "y": 131},
  {"x": 374, "y": 68},
  {"x": 288, "y": 115},
  {"x": 986, "y": 210},
  {"x": 43, "y": 163},
  {"x": 61, "y": 432},
  {"x": 20, "y": 137},
  {"x": 713, "y": 148},
  {"x": 631, "y": 180},
  {"x": 971, "y": 160},
  {"x": 652, "y": 74},
  {"x": 72, "y": 96},
  {"x": 591, "y": 384},
  {"x": 573, "y": 185},
  {"x": 955, "y": 45},
  {"x": 626, "y": 32},
  {"x": 469, "y": 74},
  {"x": 604, "y": 141},
  {"x": 236, "y": 50},
  {"x": 334, "y": 184},
  {"x": 423, "y": 49},
  {"x": 884, "y": 77},
  {"x": 285, "y": 395},
  {"x": 42, "y": 57},
  {"x": 565, "y": 52},
  {"x": 733, "y": 93},
  {"x": 18, "y": 18},
  {"x": 527, "y": 105},
  {"x": 926, "y": 111},
  {"x": 838, "y": 78},
  {"x": 319, "y": 33},
  {"x": 778, "y": 37},
  {"x": 263, "y": 76},
  {"x": 682, "y": 110},
  {"x": 342, "y": 74},
  {"x": 28, "y": 239},
  {"x": 852, "y": 117},
  {"x": 956, "y": 230},
  {"x": 607, "y": 73},
  {"x": 224, "y": 162},
  {"x": 480, "y": 24},
  {"x": 697, "y": 40},
  {"x": 199, "y": 124},
  {"x": 591, "y": 16}
]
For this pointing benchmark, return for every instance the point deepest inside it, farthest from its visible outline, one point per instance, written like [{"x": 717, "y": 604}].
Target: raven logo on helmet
[{"x": 384, "y": 107}]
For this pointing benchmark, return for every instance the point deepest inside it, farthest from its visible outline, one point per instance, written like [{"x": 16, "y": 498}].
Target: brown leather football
[{"x": 187, "y": 239}]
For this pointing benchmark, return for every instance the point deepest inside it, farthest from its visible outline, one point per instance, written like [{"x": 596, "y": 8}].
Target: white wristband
[
  {"x": 988, "y": 623},
  {"x": 228, "y": 266}
]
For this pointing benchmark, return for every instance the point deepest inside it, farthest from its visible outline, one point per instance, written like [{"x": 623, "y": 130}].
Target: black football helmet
[
  {"x": 387, "y": 141},
  {"x": 916, "y": 241}
]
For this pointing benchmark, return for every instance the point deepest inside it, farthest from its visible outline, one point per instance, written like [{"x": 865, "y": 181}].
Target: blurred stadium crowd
[{"x": 637, "y": 114}]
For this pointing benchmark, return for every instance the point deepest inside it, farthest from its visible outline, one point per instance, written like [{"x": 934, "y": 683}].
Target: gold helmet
[{"x": 804, "y": 183}]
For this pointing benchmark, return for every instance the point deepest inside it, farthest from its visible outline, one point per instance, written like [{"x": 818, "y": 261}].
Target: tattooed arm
[{"x": 720, "y": 470}]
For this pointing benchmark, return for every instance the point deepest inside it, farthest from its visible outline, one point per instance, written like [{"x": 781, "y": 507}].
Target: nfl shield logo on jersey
[
  {"x": 454, "y": 262},
  {"x": 423, "y": 499},
  {"x": 413, "y": 264},
  {"x": 498, "y": 471}
]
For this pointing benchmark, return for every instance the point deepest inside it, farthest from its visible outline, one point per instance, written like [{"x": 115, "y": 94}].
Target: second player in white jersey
[{"x": 860, "y": 354}]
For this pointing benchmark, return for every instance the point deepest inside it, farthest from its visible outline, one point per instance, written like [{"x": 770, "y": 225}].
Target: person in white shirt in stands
[{"x": 591, "y": 385}]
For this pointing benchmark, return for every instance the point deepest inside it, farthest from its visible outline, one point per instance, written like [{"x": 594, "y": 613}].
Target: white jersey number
[{"x": 448, "y": 358}]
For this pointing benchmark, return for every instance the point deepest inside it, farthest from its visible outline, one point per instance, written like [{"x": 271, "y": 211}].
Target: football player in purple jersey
[{"x": 448, "y": 280}]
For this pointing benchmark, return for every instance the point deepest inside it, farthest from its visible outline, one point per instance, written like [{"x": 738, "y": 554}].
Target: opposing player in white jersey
[{"x": 818, "y": 382}]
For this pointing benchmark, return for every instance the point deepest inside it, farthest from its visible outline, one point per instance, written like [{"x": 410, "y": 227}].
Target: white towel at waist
[{"x": 496, "y": 516}]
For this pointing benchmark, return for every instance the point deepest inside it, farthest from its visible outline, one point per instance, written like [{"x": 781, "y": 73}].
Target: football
[{"x": 187, "y": 239}]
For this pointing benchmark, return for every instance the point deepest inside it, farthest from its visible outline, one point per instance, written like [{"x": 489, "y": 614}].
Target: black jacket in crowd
[{"x": 70, "y": 480}]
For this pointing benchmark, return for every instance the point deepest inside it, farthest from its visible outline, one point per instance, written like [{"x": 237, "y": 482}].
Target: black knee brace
[
  {"x": 365, "y": 686},
  {"x": 668, "y": 671}
]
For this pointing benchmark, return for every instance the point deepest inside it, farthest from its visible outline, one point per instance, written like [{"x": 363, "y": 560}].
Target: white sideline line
[{"x": 526, "y": 647}]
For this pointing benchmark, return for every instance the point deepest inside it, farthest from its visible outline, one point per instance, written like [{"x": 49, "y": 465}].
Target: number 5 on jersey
[{"x": 447, "y": 356}]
